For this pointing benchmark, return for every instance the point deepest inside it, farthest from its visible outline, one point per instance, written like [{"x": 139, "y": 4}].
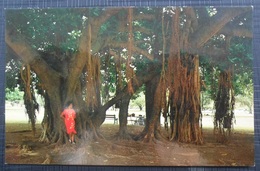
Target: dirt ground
[{"x": 23, "y": 148}]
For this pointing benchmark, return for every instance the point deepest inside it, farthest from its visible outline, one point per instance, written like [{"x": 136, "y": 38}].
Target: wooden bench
[{"x": 112, "y": 117}]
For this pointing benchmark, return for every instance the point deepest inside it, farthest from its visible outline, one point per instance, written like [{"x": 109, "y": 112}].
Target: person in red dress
[{"x": 69, "y": 116}]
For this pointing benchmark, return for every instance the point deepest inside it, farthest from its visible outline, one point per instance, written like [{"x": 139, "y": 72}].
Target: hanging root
[
  {"x": 30, "y": 102},
  {"x": 43, "y": 137},
  {"x": 224, "y": 104}
]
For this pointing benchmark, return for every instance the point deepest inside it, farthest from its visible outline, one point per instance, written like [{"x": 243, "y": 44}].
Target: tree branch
[
  {"x": 78, "y": 62},
  {"x": 142, "y": 16},
  {"x": 135, "y": 49},
  {"x": 212, "y": 52},
  {"x": 141, "y": 79},
  {"x": 207, "y": 30},
  {"x": 191, "y": 15},
  {"x": 143, "y": 30},
  {"x": 143, "y": 52},
  {"x": 30, "y": 56},
  {"x": 236, "y": 31},
  {"x": 98, "y": 21}
]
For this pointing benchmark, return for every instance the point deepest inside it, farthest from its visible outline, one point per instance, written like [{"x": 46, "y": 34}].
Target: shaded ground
[{"x": 23, "y": 148}]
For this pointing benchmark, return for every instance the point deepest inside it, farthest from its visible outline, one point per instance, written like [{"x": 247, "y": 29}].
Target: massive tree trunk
[
  {"x": 59, "y": 86},
  {"x": 50, "y": 80},
  {"x": 224, "y": 105},
  {"x": 153, "y": 102},
  {"x": 123, "y": 113},
  {"x": 58, "y": 133},
  {"x": 186, "y": 101},
  {"x": 153, "y": 88},
  {"x": 183, "y": 83}
]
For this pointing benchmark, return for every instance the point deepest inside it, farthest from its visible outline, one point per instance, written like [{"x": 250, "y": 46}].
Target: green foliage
[
  {"x": 241, "y": 58},
  {"x": 13, "y": 95},
  {"x": 245, "y": 101},
  {"x": 47, "y": 29},
  {"x": 12, "y": 73},
  {"x": 109, "y": 28},
  {"x": 108, "y": 76},
  {"x": 209, "y": 77},
  {"x": 240, "y": 55},
  {"x": 206, "y": 100},
  {"x": 138, "y": 101},
  {"x": 211, "y": 10},
  {"x": 57, "y": 31},
  {"x": 95, "y": 12}
]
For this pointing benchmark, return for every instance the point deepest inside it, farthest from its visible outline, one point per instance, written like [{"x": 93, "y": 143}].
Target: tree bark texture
[
  {"x": 185, "y": 101},
  {"x": 224, "y": 105},
  {"x": 153, "y": 104},
  {"x": 123, "y": 114}
]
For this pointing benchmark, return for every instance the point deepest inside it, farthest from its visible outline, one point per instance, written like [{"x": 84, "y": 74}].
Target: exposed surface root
[{"x": 109, "y": 151}]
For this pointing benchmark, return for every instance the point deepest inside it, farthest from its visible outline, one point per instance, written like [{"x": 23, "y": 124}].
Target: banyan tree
[{"x": 100, "y": 57}]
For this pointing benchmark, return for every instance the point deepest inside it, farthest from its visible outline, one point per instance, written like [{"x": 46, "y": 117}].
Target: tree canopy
[{"x": 100, "y": 57}]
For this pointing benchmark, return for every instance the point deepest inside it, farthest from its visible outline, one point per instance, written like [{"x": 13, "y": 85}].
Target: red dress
[{"x": 70, "y": 116}]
